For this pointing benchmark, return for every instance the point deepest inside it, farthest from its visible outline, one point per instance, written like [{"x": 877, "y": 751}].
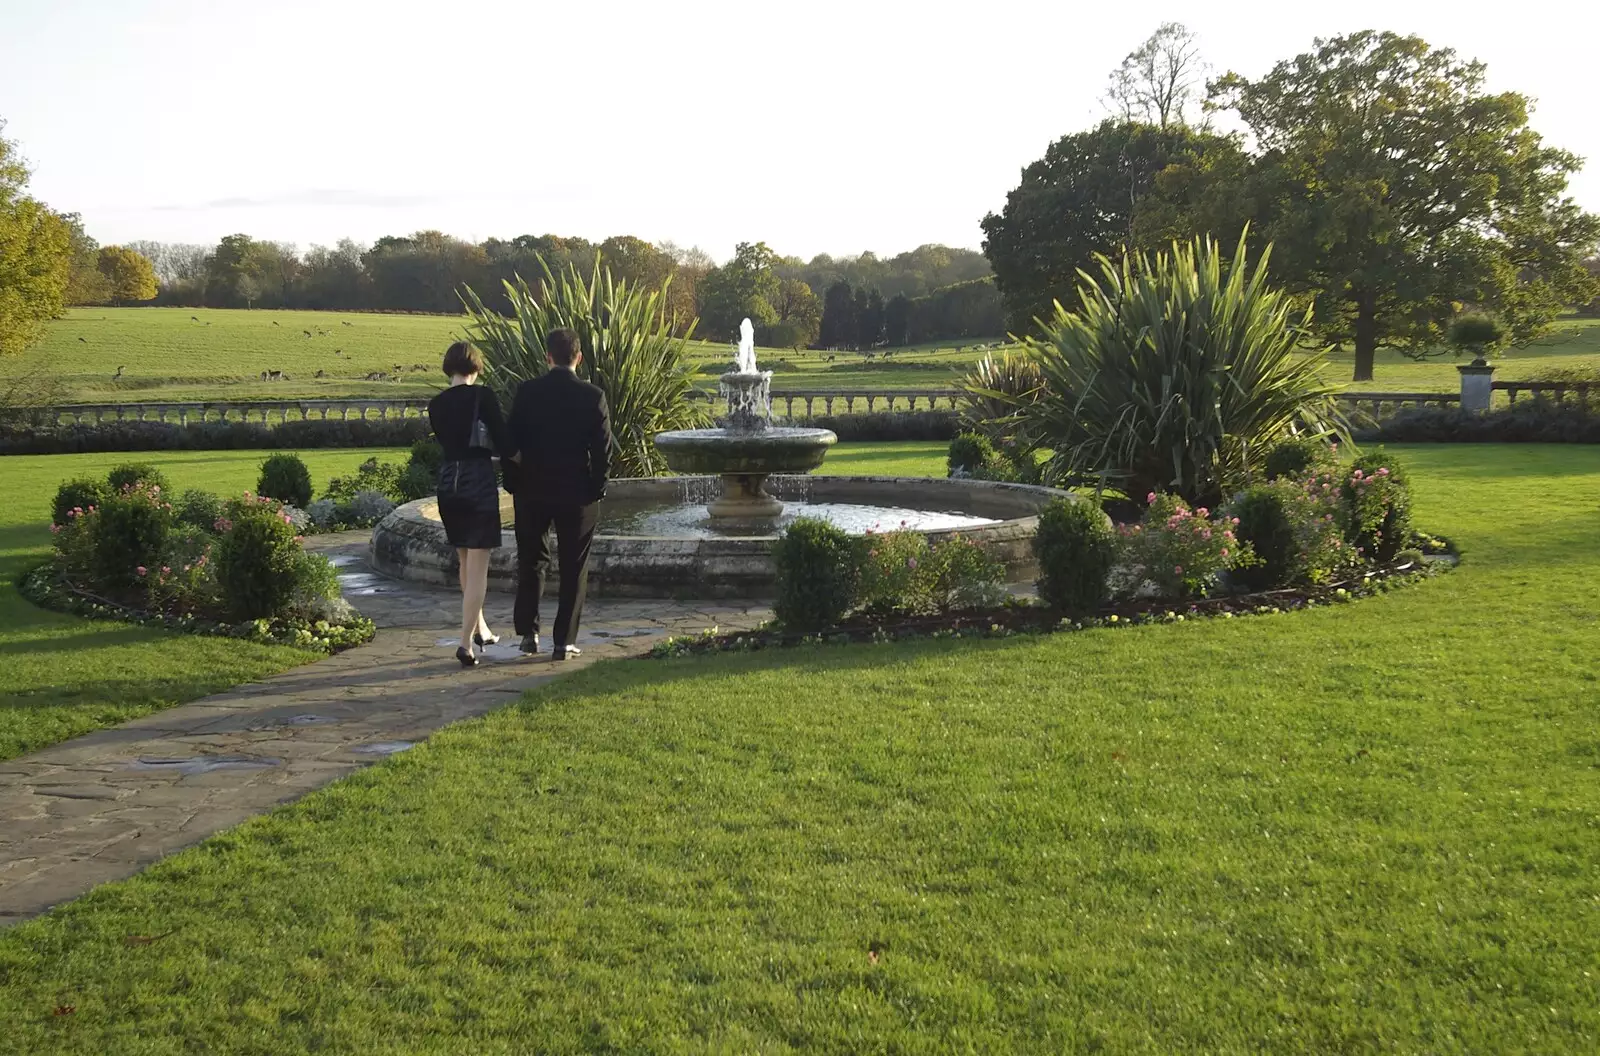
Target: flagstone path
[{"x": 103, "y": 806}]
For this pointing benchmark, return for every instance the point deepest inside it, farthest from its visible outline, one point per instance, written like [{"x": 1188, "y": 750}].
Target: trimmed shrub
[
  {"x": 1076, "y": 549},
  {"x": 257, "y": 560},
  {"x": 1377, "y": 506},
  {"x": 1293, "y": 530},
  {"x": 208, "y": 436},
  {"x": 1266, "y": 522},
  {"x": 1294, "y": 458},
  {"x": 130, "y": 531},
  {"x": 876, "y": 426},
  {"x": 817, "y": 575},
  {"x": 285, "y": 477},
  {"x": 1524, "y": 422},
  {"x": 131, "y": 473},
  {"x": 198, "y": 509},
  {"x": 970, "y": 453},
  {"x": 80, "y": 494}
]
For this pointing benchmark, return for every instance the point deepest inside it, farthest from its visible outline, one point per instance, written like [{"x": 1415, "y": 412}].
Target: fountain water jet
[{"x": 748, "y": 448}]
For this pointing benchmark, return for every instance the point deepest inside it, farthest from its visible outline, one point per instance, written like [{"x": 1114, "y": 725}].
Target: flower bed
[
  {"x": 1315, "y": 532},
  {"x": 1024, "y": 616},
  {"x": 124, "y": 551}
]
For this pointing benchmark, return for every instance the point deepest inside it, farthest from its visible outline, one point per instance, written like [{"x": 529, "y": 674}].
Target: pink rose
[
  {"x": 1236, "y": 520},
  {"x": 1206, "y": 534},
  {"x": 1383, "y": 472},
  {"x": 186, "y": 568},
  {"x": 911, "y": 562},
  {"x": 55, "y": 527},
  {"x": 141, "y": 570},
  {"x": 1224, "y": 551},
  {"x": 165, "y": 571},
  {"x": 1201, "y": 512},
  {"x": 1178, "y": 569},
  {"x": 1150, "y": 497}
]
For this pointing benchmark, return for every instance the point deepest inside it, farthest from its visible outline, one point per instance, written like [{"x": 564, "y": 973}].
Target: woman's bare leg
[{"x": 474, "y": 584}]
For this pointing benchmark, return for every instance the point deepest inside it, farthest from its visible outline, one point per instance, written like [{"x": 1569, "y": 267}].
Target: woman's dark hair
[
  {"x": 461, "y": 358},
  {"x": 562, "y": 345}
]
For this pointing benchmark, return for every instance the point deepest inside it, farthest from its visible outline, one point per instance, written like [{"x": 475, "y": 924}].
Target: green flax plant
[
  {"x": 629, "y": 350},
  {"x": 1177, "y": 373}
]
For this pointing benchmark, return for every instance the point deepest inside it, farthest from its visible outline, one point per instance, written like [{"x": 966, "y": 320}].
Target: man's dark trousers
[{"x": 574, "y": 527}]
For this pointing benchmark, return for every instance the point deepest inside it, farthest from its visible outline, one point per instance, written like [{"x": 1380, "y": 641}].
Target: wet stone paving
[{"x": 105, "y": 805}]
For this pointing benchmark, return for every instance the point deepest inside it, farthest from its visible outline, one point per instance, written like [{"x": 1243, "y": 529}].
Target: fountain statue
[{"x": 748, "y": 448}]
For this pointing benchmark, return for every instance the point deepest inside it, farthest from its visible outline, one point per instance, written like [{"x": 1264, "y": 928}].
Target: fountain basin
[
  {"x": 744, "y": 458},
  {"x": 777, "y": 449},
  {"x": 410, "y": 543}
]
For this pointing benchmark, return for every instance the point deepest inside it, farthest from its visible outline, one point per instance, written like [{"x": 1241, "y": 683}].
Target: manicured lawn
[
  {"x": 219, "y": 354},
  {"x": 1366, "y": 828},
  {"x": 61, "y": 676}
]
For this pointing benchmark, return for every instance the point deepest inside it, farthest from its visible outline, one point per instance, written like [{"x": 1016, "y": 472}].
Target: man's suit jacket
[{"x": 562, "y": 426}]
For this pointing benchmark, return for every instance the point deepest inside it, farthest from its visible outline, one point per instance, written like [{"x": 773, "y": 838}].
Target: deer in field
[
  {"x": 274, "y": 375},
  {"x": 118, "y": 375}
]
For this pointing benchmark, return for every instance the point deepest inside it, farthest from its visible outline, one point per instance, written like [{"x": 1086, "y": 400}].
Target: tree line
[
  {"x": 1396, "y": 191},
  {"x": 929, "y": 293}
]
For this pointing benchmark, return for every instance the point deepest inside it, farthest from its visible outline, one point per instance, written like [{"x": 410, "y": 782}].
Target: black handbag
[{"x": 470, "y": 482}]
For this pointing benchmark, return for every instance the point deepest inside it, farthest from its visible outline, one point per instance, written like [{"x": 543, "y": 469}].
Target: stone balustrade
[
  {"x": 1581, "y": 391},
  {"x": 811, "y": 402},
  {"x": 1378, "y": 404},
  {"x": 265, "y": 411},
  {"x": 786, "y": 404}
]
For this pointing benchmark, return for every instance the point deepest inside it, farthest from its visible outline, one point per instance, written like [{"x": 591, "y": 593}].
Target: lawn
[
  {"x": 219, "y": 354},
  {"x": 61, "y": 676},
  {"x": 1361, "y": 828}
]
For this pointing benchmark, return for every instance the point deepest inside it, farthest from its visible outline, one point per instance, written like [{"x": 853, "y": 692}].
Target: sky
[{"x": 816, "y": 127}]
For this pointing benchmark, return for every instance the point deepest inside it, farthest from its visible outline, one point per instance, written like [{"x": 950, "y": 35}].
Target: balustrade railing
[
  {"x": 785, "y": 404},
  {"x": 266, "y": 411},
  {"x": 1581, "y": 391}
]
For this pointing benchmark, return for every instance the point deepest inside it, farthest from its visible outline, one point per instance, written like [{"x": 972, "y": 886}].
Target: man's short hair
[
  {"x": 562, "y": 346},
  {"x": 463, "y": 359}
]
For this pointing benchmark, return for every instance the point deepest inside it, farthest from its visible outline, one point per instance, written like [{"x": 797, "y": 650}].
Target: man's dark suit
[{"x": 562, "y": 426}]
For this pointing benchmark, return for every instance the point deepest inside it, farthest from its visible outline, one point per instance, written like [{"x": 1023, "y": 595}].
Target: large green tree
[
  {"x": 35, "y": 256},
  {"x": 1084, "y": 198},
  {"x": 1395, "y": 190},
  {"x": 743, "y": 288}
]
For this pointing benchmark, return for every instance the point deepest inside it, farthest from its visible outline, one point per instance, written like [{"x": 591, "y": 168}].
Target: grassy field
[
  {"x": 185, "y": 354},
  {"x": 1364, "y": 828},
  {"x": 61, "y": 676}
]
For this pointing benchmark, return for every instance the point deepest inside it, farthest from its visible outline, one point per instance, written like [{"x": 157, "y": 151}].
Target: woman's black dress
[{"x": 468, "y": 524}]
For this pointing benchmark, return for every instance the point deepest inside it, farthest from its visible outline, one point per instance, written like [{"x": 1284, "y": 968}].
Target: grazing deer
[
  {"x": 320, "y": 374},
  {"x": 118, "y": 375},
  {"x": 274, "y": 322},
  {"x": 84, "y": 340},
  {"x": 343, "y": 323},
  {"x": 306, "y": 332},
  {"x": 274, "y": 375},
  {"x": 377, "y": 375},
  {"x": 194, "y": 318}
]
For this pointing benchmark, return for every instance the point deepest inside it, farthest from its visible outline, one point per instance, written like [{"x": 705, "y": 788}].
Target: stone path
[{"x": 103, "y": 806}]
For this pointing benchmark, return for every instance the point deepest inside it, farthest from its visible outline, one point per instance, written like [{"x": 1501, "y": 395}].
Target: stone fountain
[{"x": 748, "y": 448}]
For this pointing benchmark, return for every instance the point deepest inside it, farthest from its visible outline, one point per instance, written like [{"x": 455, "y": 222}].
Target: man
[{"x": 563, "y": 428}]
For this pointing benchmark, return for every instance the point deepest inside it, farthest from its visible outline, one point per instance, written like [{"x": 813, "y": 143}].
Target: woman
[{"x": 466, "y": 420}]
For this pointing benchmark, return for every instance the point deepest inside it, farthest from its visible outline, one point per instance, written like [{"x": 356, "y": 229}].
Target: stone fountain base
[
  {"x": 410, "y": 543},
  {"x": 744, "y": 499}
]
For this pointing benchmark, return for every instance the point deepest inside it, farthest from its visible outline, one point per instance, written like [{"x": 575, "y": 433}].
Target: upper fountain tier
[{"x": 747, "y": 448}]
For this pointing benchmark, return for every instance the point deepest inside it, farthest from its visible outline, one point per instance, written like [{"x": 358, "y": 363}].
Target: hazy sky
[{"x": 817, "y": 126}]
